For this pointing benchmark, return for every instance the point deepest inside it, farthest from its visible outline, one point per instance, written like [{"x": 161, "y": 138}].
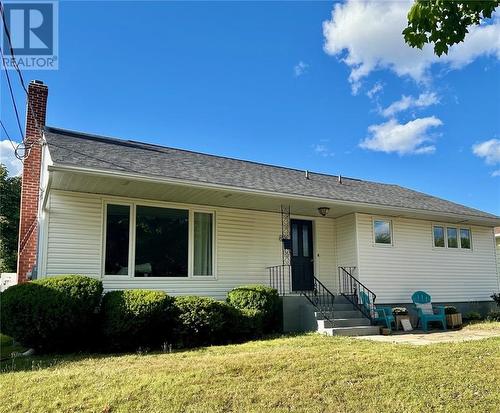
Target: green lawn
[{"x": 307, "y": 373}]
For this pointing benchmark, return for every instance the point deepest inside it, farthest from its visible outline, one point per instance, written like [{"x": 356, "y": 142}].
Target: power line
[
  {"x": 8, "y": 136},
  {"x": 14, "y": 62},
  {"x": 12, "y": 95},
  {"x": 27, "y": 146}
]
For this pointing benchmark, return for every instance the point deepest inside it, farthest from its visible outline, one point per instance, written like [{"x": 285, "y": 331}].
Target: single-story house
[{"x": 137, "y": 215}]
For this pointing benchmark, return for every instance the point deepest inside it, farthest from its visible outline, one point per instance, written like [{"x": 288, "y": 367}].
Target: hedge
[
  {"x": 132, "y": 319},
  {"x": 264, "y": 302},
  {"x": 53, "y": 314},
  {"x": 203, "y": 321},
  {"x": 68, "y": 313}
]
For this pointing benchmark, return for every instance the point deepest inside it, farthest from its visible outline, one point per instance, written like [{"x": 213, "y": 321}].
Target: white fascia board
[{"x": 490, "y": 222}]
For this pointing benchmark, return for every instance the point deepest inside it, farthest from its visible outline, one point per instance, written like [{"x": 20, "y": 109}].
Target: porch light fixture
[{"x": 323, "y": 211}]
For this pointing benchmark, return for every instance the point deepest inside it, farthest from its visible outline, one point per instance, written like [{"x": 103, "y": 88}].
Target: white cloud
[
  {"x": 366, "y": 36},
  {"x": 8, "y": 158},
  {"x": 408, "y": 102},
  {"x": 489, "y": 150},
  {"x": 376, "y": 89},
  {"x": 404, "y": 139},
  {"x": 300, "y": 68},
  {"x": 495, "y": 173},
  {"x": 322, "y": 150}
]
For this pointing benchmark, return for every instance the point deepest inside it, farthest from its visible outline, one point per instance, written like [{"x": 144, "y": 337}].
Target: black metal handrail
[
  {"x": 321, "y": 298},
  {"x": 280, "y": 278},
  {"x": 356, "y": 292}
]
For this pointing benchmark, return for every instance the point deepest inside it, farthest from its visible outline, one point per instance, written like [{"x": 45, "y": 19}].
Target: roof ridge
[{"x": 134, "y": 143}]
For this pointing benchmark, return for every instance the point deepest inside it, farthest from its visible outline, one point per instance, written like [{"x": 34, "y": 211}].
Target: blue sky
[{"x": 285, "y": 83}]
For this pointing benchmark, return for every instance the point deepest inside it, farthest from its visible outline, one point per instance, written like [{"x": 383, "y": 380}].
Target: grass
[
  {"x": 482, "y": 326},
  {"x": 307, "y": 373}
]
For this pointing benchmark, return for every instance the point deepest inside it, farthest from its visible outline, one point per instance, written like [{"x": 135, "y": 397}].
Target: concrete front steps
[{"x": 346, "y": 321}]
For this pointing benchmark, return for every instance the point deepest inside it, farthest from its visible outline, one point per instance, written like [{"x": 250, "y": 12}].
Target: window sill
[
  {"x": 376, "y": 245},
  {"x": 138, "y": 279}
]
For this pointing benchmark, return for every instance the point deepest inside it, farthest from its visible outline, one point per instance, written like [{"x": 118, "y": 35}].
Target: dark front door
[{"x": 302, "y": 255}]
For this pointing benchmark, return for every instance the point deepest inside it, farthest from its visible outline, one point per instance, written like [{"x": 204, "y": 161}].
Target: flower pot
[{"x": 454, "y": 320}]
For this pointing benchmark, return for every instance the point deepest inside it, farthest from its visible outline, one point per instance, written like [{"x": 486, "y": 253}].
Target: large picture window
[
  {"x": 158, "y": 241},
  {"x": 117, "y": 239},
  {"x": 161, "y": 242}
]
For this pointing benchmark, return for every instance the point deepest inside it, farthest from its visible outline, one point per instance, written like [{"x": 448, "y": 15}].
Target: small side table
[{"x": 398, "y": 319}]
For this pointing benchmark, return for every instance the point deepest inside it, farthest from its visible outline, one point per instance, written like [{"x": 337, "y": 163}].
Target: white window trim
[
  {"x": 191, "y": 244},
  {"x": 444, "y": 236},
  {"x": 132, "y": 238},
  {"x": 458, "y": 227},
  {"x": 391, "y": 228},
  {"x": 457, "y": 231}
]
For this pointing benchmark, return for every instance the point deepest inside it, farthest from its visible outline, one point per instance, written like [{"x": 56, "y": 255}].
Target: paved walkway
[{"x": 419, "y": 338}]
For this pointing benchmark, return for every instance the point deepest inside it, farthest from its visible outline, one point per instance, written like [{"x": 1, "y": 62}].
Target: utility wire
[
  {"x": 14, "y": 62},
  {"x": 12, "y": 95},
  {"x": 8, "y": 136},
  {"x": 27, "y": 146}
]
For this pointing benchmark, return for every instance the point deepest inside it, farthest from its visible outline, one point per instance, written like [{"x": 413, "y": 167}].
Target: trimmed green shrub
[
  {"x": 203, "y": 321},
  {"x": 496, "y": 298},
  {"x": 264, "y": 300},
  {"x": 493, "y": 315},
  {"x": 133, "y": 319},
  {"x": 450, "y": 309},
  {"x": 250, "y": 323},
  {"x": 473, "y": 316},
  {"x": 53, "y": 314}
]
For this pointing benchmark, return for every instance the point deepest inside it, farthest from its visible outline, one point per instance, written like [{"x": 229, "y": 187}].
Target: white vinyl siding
[
  {"x": 73, "y": 235},
  {"x": 324, "y": 243},
  {"x": 246, "y": 243},
  {"x": 413, "y": 263},
  {"x": 497, "y": 239},
  {"x": 346, "y": 241}
]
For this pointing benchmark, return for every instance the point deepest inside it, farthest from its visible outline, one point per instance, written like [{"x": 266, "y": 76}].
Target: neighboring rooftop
[{"x": 69, "y": 148}]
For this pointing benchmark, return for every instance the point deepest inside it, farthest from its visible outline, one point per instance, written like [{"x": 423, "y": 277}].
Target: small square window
[
  {"x": 382, "y": 232},
  {"x": 452, "y": 237},
  {"x": 465, "y": 238},
  {"x": 438, "y": 236}
]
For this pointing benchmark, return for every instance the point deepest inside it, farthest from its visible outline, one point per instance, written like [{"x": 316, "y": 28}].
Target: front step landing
[
  {"x": 352, "y": 331},
  {"x": 346, "y": 320}
]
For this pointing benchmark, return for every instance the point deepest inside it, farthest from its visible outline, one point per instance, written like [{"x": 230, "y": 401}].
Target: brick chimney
[{"x": 30, "y": 191}]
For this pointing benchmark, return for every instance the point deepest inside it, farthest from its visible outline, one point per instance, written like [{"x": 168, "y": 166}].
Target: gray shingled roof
[{"x": 97, "y": 152}]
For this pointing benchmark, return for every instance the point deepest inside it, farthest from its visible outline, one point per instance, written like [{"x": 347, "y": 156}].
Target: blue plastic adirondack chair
[
  {"x": 379, "y": 314},
  {"x": 421, "y": 297}
]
